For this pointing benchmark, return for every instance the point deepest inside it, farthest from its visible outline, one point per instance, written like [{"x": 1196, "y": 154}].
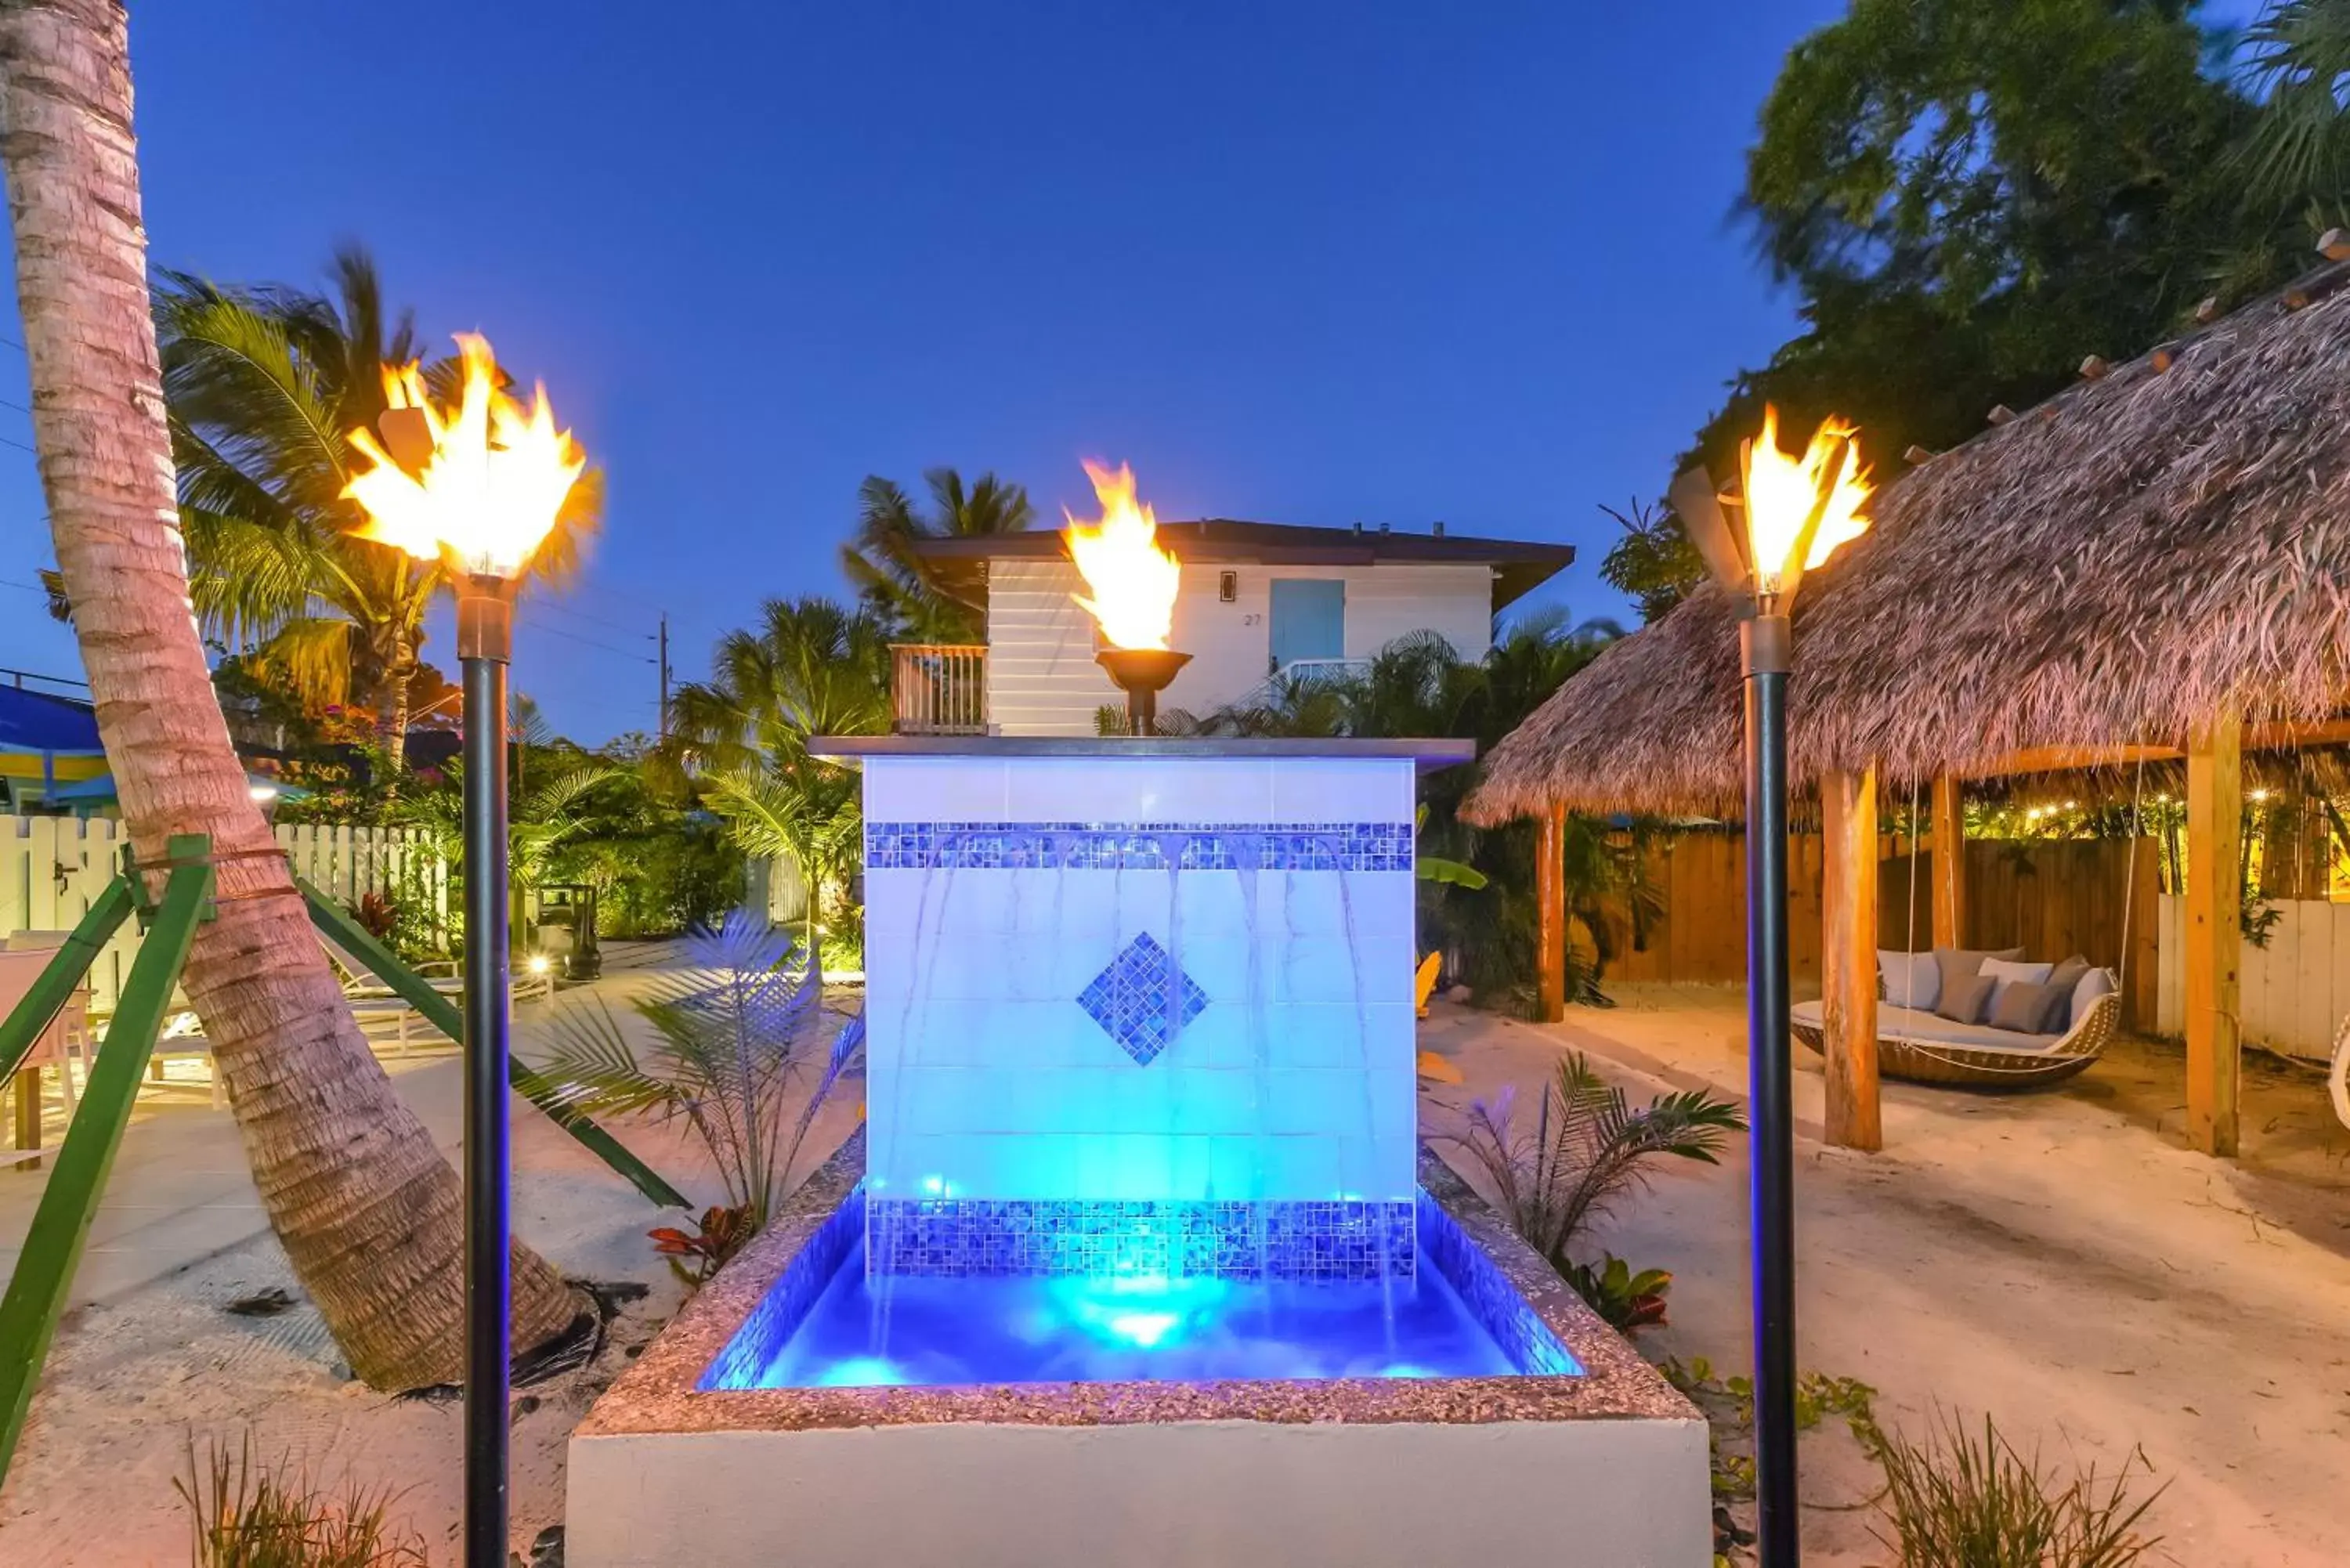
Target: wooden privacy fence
[
  {"x": 2053, "y": 898},
  {"x": 52, "y": 868}
]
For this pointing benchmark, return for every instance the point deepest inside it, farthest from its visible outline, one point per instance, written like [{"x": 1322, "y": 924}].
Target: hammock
[{"x": 1920, "y": 1058}]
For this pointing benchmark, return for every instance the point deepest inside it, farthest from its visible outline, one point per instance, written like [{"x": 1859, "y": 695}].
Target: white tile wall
[
  {"x": 1342, "y": 789},
  {"x": 1238, "y": 790},
  {"x": 988, "y": 1079},
  {"x": 1139, "y": 789},
  {"x": 935, "y": 789}
]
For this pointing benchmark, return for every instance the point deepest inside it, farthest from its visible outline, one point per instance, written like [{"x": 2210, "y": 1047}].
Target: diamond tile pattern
[{"x": 1142, "y": 999}]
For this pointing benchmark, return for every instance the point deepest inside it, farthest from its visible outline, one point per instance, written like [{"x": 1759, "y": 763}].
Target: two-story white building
[{"x": 1258, "y": 599}]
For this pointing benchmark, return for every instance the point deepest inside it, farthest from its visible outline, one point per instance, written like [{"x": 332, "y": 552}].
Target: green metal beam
[
  {"x": 45, "y": 1269},
  {"x": 25, "y": 1024},
  {"x": 345, "y": 930}
]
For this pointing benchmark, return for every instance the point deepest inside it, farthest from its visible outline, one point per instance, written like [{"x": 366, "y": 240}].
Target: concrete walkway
[{"x": 2058, "y": 1259}]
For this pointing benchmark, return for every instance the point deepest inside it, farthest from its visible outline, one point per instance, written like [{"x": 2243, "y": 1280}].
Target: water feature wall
[{"x": 1139, "y": 1011}]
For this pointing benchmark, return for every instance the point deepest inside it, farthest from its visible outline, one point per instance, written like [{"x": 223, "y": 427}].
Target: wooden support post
[
  {"x": 1950, "y": 898},
  {"x": 1848, "y": 958},
  {"x": 1550, "y": 916},
  {"x": 2215, "y": 808},
  {"x": 26, "y": 1091}
]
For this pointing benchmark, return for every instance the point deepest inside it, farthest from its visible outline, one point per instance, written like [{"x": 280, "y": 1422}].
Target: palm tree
[
  {"x": 2297, "y": 57},
  {"x": 368, "y": 1211},
  {"x": 815, "y": 822},
  {"x": 812, "y": 667},
  {"x": 895, "y": 582},
  {"x": 263, "y": 386}
]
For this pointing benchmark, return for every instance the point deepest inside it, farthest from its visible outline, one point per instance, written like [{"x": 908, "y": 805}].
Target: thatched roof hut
[{"x": 2116, "y": 566}]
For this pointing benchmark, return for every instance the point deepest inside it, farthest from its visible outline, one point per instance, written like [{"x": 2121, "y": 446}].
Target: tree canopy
[{"x": 1968, "y": 198}]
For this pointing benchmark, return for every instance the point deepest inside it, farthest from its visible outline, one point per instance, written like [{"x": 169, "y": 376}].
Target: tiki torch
[
  {"x": 1795, "y": 511},
  {"x": 476, "y": 488},
  {"x": 1130, "y": 584}
]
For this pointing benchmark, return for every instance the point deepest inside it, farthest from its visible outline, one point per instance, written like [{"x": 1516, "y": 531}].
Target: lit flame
[
  {"x": 1780, "y": 492},
  {"x": 489, "y": 493},
  {"x": 1133, "y": 581}
]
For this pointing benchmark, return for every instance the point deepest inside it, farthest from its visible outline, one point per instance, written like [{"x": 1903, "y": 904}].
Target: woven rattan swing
[{"x": 1919, "y": 1058}]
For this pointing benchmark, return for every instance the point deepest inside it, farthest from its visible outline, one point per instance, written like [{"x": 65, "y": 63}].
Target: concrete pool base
[{"x": 1606, "y": 1468}]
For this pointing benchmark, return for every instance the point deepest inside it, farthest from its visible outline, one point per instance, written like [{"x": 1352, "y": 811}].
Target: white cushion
[
  {"x": 2005, "y": 972},
  {"x": 1910, "y": 1025},
  {"x": 1910, "y": 980},
  {"x": 1913, "y": 1024}
]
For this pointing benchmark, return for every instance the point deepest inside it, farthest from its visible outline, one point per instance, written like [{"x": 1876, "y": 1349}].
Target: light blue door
[{"x": 1309, "y": 619}]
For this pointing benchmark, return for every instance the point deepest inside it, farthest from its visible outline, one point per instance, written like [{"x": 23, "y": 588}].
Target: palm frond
[
  {"x": 254, "y": 578},
  {"x": 1588, "y": 1149},
  {"x": 231, "y": 372},
  {"x": 313, "y": 653},
  {"x": 2296, "y": 60},
  {"x": 725, "y": 1040}
]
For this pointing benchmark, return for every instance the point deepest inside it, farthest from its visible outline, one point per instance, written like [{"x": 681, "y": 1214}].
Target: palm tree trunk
[
  {"x": 391, "y": 708},
  {"x": 366, "y": 1209},
  {"x": 815, "y": 899}
]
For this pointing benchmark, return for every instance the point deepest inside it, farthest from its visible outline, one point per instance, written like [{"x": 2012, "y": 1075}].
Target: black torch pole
[
  {"x": 1765, "y": 642},
  {"x": 485, "y": 644}
]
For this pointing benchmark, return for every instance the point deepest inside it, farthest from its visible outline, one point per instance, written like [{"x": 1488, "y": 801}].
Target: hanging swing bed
[{"x": 1918, "y": 1046}]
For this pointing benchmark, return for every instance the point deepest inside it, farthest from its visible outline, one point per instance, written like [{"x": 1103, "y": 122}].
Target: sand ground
[
  {"x": 149, "y": 1361},
  {"x": 2058, "y": 1259}
]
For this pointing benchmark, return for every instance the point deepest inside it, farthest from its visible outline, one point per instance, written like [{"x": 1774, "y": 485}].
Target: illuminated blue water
[{"x": 1084, "y": 1330}]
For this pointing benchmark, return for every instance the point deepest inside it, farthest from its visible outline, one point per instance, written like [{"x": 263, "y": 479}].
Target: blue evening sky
[{"x": 1307, "y": 263}]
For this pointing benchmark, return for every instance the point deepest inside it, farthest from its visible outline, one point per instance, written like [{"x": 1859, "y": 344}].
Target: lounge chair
[
  {"x": 19, "y": 968},
  {"x": 373, "y": 999},
  {"x": 1924, "y": 1048}
]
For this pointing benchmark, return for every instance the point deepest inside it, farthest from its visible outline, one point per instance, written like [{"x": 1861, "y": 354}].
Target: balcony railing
[{"x": 937, "y": 689}]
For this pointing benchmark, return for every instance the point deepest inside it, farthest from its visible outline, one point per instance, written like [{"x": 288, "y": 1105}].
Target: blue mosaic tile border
[
  {"x": 786, "y": 1304},
  {"x": 1294, "y": 1240},
  {"x": 1136, "y": 847},
  {"x": 1497, "y": 1305}
]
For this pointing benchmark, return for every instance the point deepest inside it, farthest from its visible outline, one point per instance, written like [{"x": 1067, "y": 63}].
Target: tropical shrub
[
  {"x": 659, "y": 867},
  {"x": 1627, "y": 1300},
  {"x": 695, "y": 1255},
  {"x": 1587, "y": 1149},
  {"x": 733, "y": 1043}
]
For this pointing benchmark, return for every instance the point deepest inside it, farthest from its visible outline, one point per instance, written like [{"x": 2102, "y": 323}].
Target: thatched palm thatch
[{"x": 2117, "y": 565}]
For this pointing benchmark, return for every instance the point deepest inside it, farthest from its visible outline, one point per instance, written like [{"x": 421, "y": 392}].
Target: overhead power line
[
  {"x": 544, "y": 604},
  {"x": 591, "y": 642},
  {"x": 634, "y": 600}
]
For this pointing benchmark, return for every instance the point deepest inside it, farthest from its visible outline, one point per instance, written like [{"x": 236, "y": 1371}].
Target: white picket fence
[
  {"x": 53, "y": 868},
  {"x": 2295, "y": 990}
]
